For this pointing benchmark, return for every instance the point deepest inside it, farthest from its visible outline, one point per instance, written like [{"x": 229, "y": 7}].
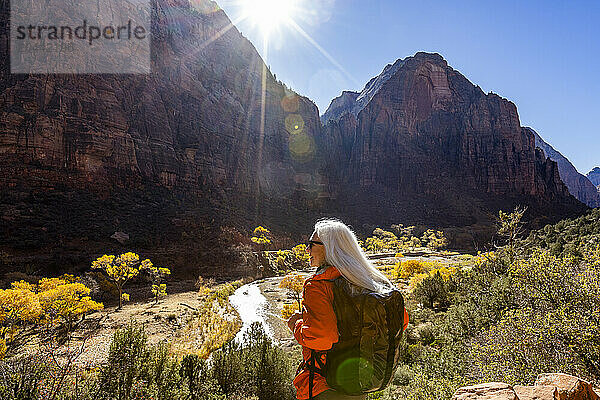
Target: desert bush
[
  {"x": 409, "y": 268},
  {"x": 213, "y": 324},
  {"x": 129, "y": 362},
  {"x": 228, "y": 368},
  {"x": 22, "y": 377},
  {"x": 269, "y": 371},
  {"x": 433, "y": 288},
  {"x": 557, "y": 324},
  {"x": 569, "y": 237},
  {"x": 198, "y": 379},
  {"x": 256, "y": 367}
]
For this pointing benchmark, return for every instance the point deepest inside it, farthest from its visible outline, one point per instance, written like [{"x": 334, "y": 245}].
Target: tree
[
  {"x": 261, "y": 236},
  {"x": 434, "y": 239},
  {"x": 294, "y": 283},
  {"x": 120, "y": 270},
  {"x": 64, "y": 299},
  {"x": 18, "y": 305},
  {"x": 300, "y": 253},
  {"x": 510, "y": 228},
  {"x": 157, "y": 274}
]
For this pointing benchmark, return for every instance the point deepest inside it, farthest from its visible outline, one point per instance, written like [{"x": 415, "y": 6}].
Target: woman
[{"x": 334, "y": 249}]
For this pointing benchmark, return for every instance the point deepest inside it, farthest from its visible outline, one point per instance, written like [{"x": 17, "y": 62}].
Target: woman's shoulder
[{"x": 326, "y": 273}]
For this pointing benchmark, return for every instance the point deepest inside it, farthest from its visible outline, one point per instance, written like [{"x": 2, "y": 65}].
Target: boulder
[
  {"x": 486, "y": 391},
  {"x": 536, "y": 392},
  {"x": 120, "y": 237},
  {"x": 551, "y": 386},
  {"x": 569, "y": 387}
]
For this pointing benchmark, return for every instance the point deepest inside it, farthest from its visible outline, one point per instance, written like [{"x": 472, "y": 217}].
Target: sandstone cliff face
[
  {"x": 190, "y": 133},
  {"x": 345, "y": 103},
  {"x": 594, "y": 177},
  {"x": 578, "y": 184},
  {"x": 193, "y": 123},
  {"x": 431, "y": 145}
]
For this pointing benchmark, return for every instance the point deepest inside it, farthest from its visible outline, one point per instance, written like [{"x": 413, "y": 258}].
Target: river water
[{"x": 252, "y": 307}]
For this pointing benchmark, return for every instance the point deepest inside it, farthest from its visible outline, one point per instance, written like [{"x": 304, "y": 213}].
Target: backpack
[{"x": 367, "y": 353}]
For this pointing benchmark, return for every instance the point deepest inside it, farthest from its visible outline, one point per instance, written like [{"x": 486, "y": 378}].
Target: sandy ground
[{"x": 160, "y": 322}]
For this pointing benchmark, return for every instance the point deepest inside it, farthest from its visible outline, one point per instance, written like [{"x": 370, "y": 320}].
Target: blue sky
[{"x": 542, "y": 55}]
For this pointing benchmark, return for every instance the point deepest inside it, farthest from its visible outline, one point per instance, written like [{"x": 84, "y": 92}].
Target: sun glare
[{"x": 269, "y": 14}]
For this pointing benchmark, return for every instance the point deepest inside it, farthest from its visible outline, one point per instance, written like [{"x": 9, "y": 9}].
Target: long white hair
[{"x": 343, "y": 251}]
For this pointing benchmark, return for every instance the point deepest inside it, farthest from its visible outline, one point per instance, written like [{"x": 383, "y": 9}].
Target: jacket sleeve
[
  {"x": 318, "y": 327},
  {"x": 405, "y": 319}
]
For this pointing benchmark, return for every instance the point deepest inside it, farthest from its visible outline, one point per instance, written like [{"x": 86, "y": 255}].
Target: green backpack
[{"x": 367, "y": 353}]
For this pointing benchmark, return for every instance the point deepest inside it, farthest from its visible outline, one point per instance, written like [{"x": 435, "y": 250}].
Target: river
[{"x": 252, "y": 306}]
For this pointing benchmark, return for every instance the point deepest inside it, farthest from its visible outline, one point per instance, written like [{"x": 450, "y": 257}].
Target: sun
[{"x": 269, "y": 14}]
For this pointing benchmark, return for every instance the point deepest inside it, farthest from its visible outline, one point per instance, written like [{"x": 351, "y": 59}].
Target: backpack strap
[{"x": 391, "y": 349}]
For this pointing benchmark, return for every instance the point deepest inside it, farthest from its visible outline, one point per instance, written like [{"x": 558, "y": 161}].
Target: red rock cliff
[{"x": 431, "y": 146}]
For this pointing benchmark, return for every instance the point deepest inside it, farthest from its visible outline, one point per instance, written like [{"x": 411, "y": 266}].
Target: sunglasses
[{"x": 311, "y": 243}]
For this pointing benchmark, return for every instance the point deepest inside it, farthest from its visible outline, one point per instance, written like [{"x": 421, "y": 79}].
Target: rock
[
  {"x": 428, "y": 145},
  {"x": 486, "y": 391},
  {"x": 421, "y": 144},
  {"x": 554, "y": 386},
  {"x": 594, "y": 176},
  {"x": 120, "y": 237},
  {"x": 193, "y": 127},
  {"x": 579, "y": 185},
  {"x": 536, "y": 392},
  {"x": 569, "y": 387}
]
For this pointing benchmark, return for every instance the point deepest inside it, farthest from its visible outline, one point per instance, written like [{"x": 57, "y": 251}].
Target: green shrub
[
  {"x": 433, "y": 289},
  {"x": 228, "y": 368},
  {"x": 198, "y": 379},
  {"x": 254, "y": 367},
  {"x": 21, "y": 378},
  {"x": 128, "y": 362},
  {"x": 555, "y": 328}
]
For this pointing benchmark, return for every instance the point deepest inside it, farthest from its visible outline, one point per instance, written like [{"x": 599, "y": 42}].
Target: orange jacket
[{"x": 317, "y": 329}]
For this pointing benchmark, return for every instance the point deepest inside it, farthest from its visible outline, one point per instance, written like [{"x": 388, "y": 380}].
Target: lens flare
[
  {"x": 302, "y": 147},
  {"x": 269, "y": 14},
  {"x": 290, "y": 103},
  {"x": 294, "y": 123}
]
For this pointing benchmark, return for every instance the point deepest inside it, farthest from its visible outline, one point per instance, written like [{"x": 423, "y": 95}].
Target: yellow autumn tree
[
  {"x": 301, "y": 254},
  {"x": 120, "y": 270},
  {"x": 294, "y": 283},
  {"x": 435, "y": 240},
  {"x": 64, "y": 300},
  {"x": 288, "y": 310},
  {"x": 157, "y": 274},
  {"x": 18, "y": 305},
  {"x": 261, "y": 236}
]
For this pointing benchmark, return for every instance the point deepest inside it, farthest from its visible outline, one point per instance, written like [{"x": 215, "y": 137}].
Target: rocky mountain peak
[
  {"x": 421, "y": 131},
  {"x": 347, "y": 102},
  {"x": 594, "y": 176},
  {"x": 578, "y": 184}
]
